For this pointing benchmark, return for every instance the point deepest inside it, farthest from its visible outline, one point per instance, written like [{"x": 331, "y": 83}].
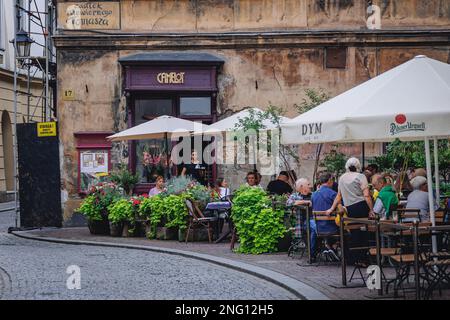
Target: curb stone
[{"x": 298, "y": 288}]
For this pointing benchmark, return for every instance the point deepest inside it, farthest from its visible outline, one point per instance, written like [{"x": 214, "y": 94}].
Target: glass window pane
[
  {"x": 148, "y": 108},
  {"x": 195, "y": 106},
  {"x": 151, "y": 159}
]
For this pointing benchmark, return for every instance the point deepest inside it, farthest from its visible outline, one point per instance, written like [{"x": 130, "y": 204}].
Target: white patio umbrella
[
  {"x": 161, "y": 127},
  {"x": 409, "y": 102},
  {"x": 228, "y": 124}
]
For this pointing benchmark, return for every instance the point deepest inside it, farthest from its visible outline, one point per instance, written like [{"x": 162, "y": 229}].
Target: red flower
[
  {"x": 136, "y": 202},
  {"x": 145, "y": 195}
]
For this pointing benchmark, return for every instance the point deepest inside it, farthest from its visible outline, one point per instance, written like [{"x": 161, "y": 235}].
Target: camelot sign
[{"x": 85, "y": 15}]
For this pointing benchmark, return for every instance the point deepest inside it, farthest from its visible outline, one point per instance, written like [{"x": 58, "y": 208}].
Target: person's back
[
  {"x": 279, "y": 187},
  {"x": 351, "y": 185},
  {"x": 322, "y": 200},
  {"x": 418, "y": 199}
]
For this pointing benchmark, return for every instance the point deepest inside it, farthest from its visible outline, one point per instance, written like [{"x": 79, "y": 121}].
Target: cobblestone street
[{"x": 37, "y": 270}]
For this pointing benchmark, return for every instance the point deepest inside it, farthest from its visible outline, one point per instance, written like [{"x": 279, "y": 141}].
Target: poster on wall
[{"x": 93, "y": 168}]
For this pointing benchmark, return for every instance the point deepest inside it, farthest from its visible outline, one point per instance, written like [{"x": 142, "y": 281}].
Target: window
[
  {"x": 195, "y": 106},
  {"x": 147, "y": 109},
  {"x": 336, "y": 58}
]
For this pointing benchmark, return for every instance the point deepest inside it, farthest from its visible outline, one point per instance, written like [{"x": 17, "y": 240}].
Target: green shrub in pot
[{"x": 259, "y": 225}]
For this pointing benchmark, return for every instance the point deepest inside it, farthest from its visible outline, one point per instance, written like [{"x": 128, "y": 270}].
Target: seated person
[
  {"x": 322, "y": 200},
  {"x": 302, "y": 197},
  {"x": 252, "y": 180},
  {"x": 387, "y": 198},
  {"x": 418, "y": 199},
  {"x": 159, "y": 187},
  {"x": 280, "y": 186},
  {"x": 222, "y": 189}
]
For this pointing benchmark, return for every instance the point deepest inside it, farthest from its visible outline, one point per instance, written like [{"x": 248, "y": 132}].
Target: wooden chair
[
  {"x": 197, "y": 219},
  {"x": 324, "y": 252},
  {"x": 407, "y": 214}
]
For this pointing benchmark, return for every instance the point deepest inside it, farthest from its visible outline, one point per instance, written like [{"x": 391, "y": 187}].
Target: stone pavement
[{"x": 325, "y": 278}]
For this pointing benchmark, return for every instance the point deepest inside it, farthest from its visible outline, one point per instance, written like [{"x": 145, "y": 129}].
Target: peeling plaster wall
[{"x": 242, "y": 15}]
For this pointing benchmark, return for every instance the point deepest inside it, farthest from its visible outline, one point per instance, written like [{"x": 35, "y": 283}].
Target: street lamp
[{"x": 22, "y": 44}]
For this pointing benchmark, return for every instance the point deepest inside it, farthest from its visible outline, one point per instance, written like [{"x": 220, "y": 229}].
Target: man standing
[{"x": 280, "y": 186}]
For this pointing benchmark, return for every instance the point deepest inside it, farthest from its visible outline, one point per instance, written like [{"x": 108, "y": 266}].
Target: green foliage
[
  {"x": 258, "y": 225},
  {"x": 201, "y": 195},
  {"x": 176, "y": 211},
  {"x": 315, "y": 98},
  {"x": 125, "y": 179},
  {"x": 95, "y": 205},
  {"x": 91, "y": 208},
  {"x": 178, "y": 185},
  {"x": 153, "y": 209},
  {"x": 403, "y": 155},
  {"x": 334, "y": 162},
  {"x": 121, "y": 210}
]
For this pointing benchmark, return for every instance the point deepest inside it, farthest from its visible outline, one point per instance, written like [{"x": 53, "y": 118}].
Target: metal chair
[
  {"x": 325, "y": 253},
  {"x": 197, "y": 219}
]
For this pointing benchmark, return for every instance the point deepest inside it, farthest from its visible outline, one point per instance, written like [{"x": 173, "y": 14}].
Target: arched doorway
[{"x": 8, "y": 155}]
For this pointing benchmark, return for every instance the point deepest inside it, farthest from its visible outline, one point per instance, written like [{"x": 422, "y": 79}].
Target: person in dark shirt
[
  {"x": 280, "y": 186},
  {"x": 194, "y": 169}
]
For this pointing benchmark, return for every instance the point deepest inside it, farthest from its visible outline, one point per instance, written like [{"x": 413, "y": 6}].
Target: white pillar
[
  {"x": 430, "y": 190},
  {"x": 436, "y": 171}
]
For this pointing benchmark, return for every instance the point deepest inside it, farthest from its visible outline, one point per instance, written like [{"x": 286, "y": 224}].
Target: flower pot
[
  {"x": 164, "y": 233},
  {"x": 115, "y": 229},
  {"x": 99, "y": 227},
  {"x": 284, "y": 243}
]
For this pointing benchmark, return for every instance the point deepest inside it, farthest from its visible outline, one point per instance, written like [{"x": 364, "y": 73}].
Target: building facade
[{"x": 123, "y": 62}]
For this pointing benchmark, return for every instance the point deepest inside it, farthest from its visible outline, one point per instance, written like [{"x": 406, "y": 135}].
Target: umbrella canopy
[
  {"x": 158, "y": 128},
  {"x": 409, "y": 102},
  {"x": 228, "y": 124}
]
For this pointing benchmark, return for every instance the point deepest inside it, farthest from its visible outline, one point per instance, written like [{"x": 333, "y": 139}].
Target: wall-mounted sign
[
  {"x": 92, "y": 15},
  {"x": 170, "y": 77},
  {"x": 68, "y": 95},
  {"x": 46, "y": 129},
  {"x": 94, "y": 167}
]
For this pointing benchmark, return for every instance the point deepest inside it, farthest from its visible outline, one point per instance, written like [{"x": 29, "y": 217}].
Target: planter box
[
  {"x": 99, "y": 227},
  {"x": 285, "y": 242},
  {"x": 194, "y": 235},
  {"x": 116, "y": 229},
  {"x": 164, "y": 233}
]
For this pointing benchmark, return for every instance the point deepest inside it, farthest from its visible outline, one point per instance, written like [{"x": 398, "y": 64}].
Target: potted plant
[
  {"x": 119, "y": 212},
  {"x": 152, "y": 209},
  {"x": 125, "y": 179},
  {"x": 259, "y": 224},
  {"x": 95, "y": 206}
]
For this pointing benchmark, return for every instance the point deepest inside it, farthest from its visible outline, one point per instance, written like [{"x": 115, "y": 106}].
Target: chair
[
  {"x": 407, "y": 214},
  {"x": 299, "y": 242},
  {"x": 325, "y": 252},
  {"x": 197, "y": 219},
  {"x": 361, "y": 259}
]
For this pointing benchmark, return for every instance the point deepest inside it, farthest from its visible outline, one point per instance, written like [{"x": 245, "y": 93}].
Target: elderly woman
[{"x": 353, "y": 190}]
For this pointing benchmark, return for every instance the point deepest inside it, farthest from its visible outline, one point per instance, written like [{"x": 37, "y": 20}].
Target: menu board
[{"x": 93, "y": 167}]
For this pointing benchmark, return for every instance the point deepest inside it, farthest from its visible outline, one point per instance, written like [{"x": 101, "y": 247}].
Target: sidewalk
[{"x": 326, "y": 279}]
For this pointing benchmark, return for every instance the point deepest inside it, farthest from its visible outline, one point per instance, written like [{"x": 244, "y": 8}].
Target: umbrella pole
[
  {"x": 167, "y": 155},
  {"x": 436, "y": 170},
  {"x": 430, "y": 191}
]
